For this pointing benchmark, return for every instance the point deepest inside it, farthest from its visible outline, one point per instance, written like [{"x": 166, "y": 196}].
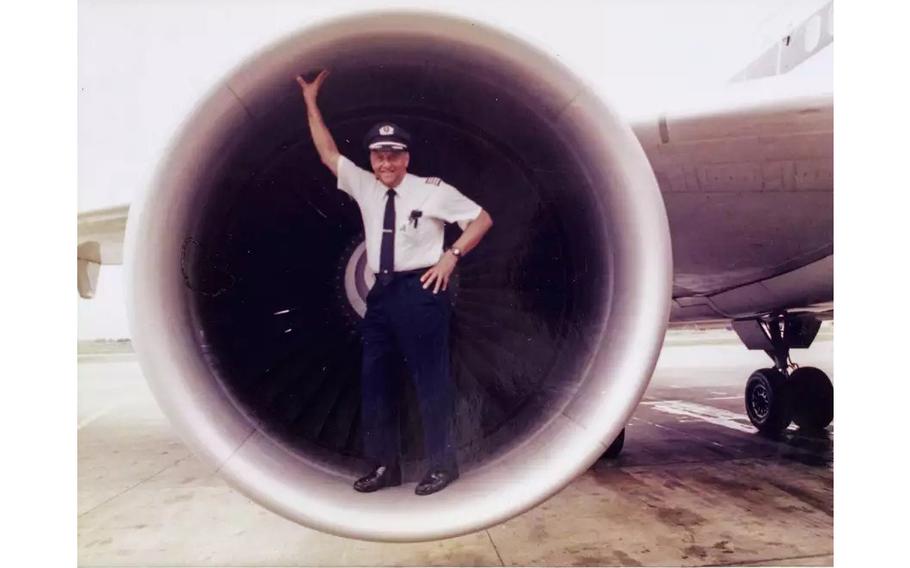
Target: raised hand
[
  {"x": 322, "y": 138},
  {"x": 311, "y": 90}
]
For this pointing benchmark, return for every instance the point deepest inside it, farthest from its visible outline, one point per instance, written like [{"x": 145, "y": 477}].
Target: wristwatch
[{"x": 456, "y": 251}]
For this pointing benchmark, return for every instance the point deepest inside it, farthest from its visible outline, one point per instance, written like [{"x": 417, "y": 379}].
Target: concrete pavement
[{"x": 694, "y": 486}]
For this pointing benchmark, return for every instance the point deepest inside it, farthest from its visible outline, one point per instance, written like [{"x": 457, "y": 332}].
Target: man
[{"x": 408, "y": 308}]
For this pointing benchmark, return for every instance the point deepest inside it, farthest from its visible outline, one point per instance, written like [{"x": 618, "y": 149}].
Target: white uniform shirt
[{"x": 438, "y": 201}]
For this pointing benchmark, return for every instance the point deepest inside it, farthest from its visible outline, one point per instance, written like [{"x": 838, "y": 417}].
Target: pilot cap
[{"x": 387, "y": 136}]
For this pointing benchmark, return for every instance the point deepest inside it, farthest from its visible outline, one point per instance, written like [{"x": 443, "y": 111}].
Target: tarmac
[{"x": 695, "y": 485}]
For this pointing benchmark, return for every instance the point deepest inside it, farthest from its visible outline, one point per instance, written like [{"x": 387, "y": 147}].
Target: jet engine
[{"x": 247, "y": 273}]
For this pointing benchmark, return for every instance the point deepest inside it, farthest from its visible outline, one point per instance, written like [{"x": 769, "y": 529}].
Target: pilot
[{"x": 408, "y": 308}]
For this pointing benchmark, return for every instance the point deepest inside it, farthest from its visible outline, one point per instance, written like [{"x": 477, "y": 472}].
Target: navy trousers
[{"x": 403, "y": 319}]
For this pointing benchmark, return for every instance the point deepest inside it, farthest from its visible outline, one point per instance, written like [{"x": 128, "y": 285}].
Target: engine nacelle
[{"x": 247, "y": 273}]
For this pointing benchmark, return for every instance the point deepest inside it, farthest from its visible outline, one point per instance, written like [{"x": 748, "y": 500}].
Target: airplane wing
[
  {"x": 100, "y": 242},
  {"x": 747, "y": 179}
]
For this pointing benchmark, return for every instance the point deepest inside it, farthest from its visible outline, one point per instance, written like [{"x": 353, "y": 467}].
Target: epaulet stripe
[{"x": 433, "y": 180}]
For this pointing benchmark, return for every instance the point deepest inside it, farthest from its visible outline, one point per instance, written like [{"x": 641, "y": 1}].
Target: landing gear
[
  {"x": 769, "y": 401},
  {"x": 785, "y": 392},
  {"x": 814, "y": 390},
  {"x": 616, "y": 447}
]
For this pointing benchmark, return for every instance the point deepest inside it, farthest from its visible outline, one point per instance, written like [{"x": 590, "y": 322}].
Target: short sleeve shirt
[{"x": 415, "y": 246}]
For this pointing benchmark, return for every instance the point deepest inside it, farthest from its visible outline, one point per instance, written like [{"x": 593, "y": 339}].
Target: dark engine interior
[{"x": 265, "y": 253}]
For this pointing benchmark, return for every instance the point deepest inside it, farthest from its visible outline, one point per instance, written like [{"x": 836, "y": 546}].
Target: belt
[{"x": 386, "y": 278}]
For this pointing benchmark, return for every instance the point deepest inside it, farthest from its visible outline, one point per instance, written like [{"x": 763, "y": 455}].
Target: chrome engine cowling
[{"x": 247, "y": 274}]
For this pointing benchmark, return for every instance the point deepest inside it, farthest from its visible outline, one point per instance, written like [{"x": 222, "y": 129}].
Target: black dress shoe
[
  {"x": 382, "y": 476},
  {"x": 435, "y": 480}
]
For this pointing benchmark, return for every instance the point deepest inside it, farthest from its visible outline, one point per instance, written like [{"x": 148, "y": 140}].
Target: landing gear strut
[
  {"x": 616, "y": 447},
  {"x": 785, "y": 392}
]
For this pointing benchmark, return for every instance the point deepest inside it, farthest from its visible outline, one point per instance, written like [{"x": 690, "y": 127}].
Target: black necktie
[{"x": 387, "y": 249}]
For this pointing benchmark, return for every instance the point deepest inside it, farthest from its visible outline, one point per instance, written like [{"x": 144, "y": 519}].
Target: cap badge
[{"x": 386, "y": 130}]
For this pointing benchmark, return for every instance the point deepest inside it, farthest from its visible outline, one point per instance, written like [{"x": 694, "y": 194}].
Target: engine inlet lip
[{"x": 180, "y": 378}]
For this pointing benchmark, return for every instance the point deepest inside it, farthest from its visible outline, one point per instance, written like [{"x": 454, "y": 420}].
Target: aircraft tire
[
  {"x": 813, "y": 396},
  {"x": 768, "y": 401},
  {"x": 616, "y": 447}
]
